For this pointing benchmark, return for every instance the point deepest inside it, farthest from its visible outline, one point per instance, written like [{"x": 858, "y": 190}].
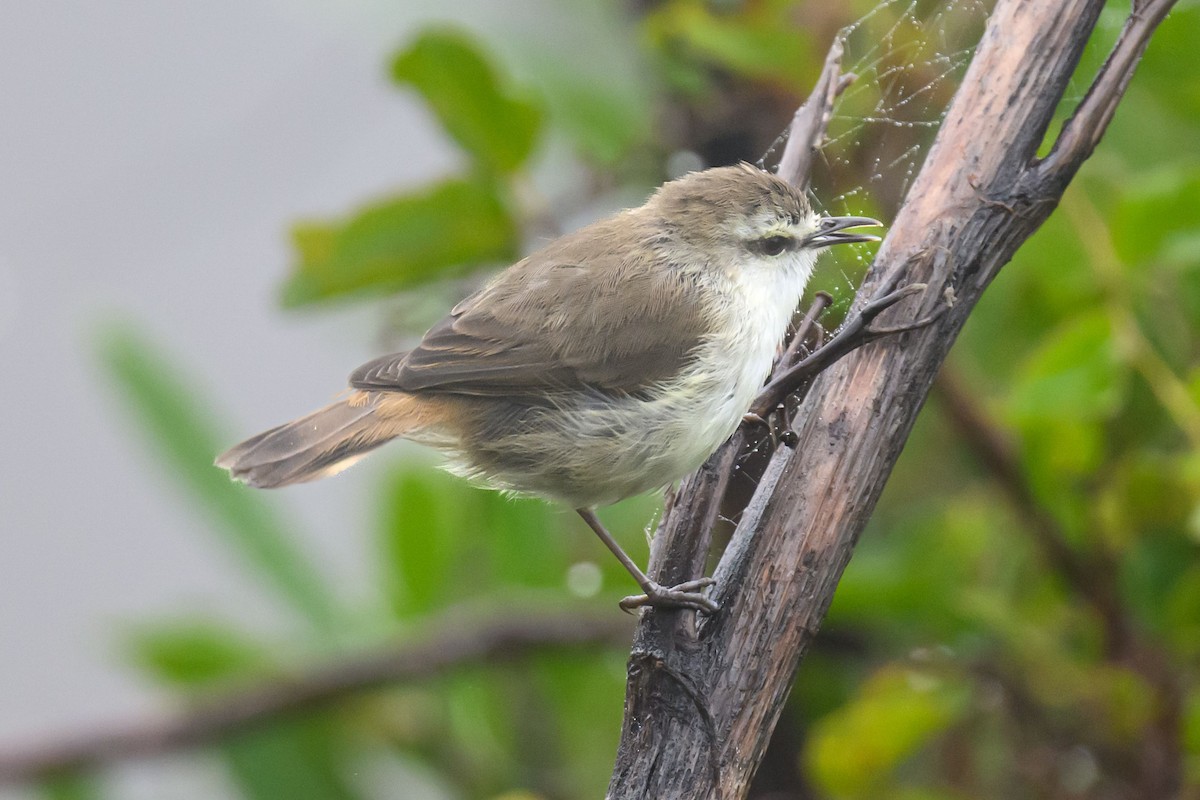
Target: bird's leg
[{"x": 685, "y": 595}]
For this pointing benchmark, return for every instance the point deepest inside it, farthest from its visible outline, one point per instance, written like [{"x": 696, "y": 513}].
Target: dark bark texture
[{"x": 704, "y": 694}]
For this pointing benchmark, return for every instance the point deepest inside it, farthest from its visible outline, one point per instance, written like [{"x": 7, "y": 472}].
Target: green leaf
[
  {"x": 1061, "y": 399},
  {"x": 1191, "y": 738},
  {"x": 583, "y": 701},
  {"x": 425, "y": 531},
  {"x": 176, "y": 421},
  {"x": 1049, "y": 279},
  {"x": 1173, "y": 47},
  {"x": 1191, "y": 722},
  {"x": 1148, "y": 223},
  {"x": 444, "y": 541},
  {"x": 483, "y": 712},
  {"x": 526, "y": 547},
  {"x": 1075, "y": 374},
  {"x": 895, "y": 591},
  {"x": 897, "y": 711},
  {"x": 403, "y": 242},
  {"x": 759, "y": 41},
  {"x": 193, "y": 654},
  {"x": 494, "y": 124},
  {"x": 601, "y": 121},
  {"x": 300, "y": 760}
]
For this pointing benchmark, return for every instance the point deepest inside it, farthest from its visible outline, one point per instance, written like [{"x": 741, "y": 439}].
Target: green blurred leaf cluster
[
  {"x": 1083, "y": 359},
  {"x": 456, "y": 224},
  {"x": 959, "y": 660},
  {"x": 496, "y": 126},
  {"x": 757, "y": 40}
]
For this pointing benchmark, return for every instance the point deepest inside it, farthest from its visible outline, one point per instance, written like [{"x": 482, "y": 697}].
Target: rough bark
[{"x": 703, "y": 695}]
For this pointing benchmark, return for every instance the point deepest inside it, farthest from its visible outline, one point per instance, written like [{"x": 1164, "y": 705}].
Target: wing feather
[{"x": 563, "y": 319}]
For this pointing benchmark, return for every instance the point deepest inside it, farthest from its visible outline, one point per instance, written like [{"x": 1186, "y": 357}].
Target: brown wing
[{"x": 556, "y": 321}]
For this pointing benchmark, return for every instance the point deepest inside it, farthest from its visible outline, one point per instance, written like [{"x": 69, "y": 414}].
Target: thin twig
[
  {"x": 811, "y": 120},
  {"x": 453, "y": 642},
  {"x": 820, "y": 302},
  {"x": 855, "y": 333},
  {"x": 1082, "y": 131}
]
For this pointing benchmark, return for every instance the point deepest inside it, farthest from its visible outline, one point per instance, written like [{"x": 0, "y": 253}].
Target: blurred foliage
[
  {"x": 459, "y": 223},
  {"x": 960, "y": 658},
  {"x": 166, "y": 408},
  {"x": 758, "y": 40},
  {"x": 402, "y": 242},
  {"x": 498, "y": 128},
  {"x": 70, "y": 787},
  {"x": 196, "y": 654}
]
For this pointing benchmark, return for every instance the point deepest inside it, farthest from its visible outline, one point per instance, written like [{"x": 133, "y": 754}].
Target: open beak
[{"x": 832, "y": 230}]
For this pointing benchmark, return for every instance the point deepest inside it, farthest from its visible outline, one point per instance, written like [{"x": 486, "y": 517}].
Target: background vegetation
[{"x": 1022, "y": 618}]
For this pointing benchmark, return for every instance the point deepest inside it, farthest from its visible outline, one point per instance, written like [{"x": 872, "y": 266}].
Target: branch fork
[{"x": 804, "y": 507}]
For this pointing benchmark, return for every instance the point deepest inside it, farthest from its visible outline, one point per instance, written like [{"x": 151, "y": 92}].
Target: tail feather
[{"x": 320, "y": 444}]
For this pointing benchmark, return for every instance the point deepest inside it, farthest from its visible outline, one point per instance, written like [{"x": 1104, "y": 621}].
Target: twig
[
  {"x": 857, "y": 332},
  {"x": 454, "y": 641},
  {"x": 808, "y": 325},
  {"x": 811, "y": 120},
  {"x": 976, "y": 199},
  {"x": 1082, "y": 131}
]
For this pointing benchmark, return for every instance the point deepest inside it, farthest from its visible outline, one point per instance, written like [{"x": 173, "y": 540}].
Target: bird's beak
[{"x": 831, "y": 230}]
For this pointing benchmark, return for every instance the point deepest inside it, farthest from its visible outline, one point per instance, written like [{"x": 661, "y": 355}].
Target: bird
[{"x": 609, "y": 363}]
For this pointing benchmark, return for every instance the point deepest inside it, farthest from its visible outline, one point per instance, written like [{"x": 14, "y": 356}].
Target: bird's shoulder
[{"x": 603, "y": 309}]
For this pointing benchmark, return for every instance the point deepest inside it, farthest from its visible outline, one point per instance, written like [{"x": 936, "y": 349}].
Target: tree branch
[
  {"x": 456, "y": 640},
  {"x": 1093, "y": 577},
  {"x": 1081, "y": 133},
  {"x": 704, "y": 694},
  {"x": 811, "y": 120}
]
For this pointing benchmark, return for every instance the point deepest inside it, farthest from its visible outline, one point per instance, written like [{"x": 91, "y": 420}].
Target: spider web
[
  {"x": 909, "y": 57},
  {"x": 908, "y": 63}
]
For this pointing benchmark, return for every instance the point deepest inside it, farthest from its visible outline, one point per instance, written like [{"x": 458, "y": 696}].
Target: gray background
[{"x": 152, "y": 156}]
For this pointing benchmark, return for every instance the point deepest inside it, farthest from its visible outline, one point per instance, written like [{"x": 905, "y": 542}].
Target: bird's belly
[
  {"x": 640, "y": 447},
  {"x": 599, "y": 450},
  {"x": 596, "y": 450}
]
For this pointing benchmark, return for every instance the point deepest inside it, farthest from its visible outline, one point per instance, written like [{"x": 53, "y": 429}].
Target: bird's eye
[{"x": 774, "y": 245}]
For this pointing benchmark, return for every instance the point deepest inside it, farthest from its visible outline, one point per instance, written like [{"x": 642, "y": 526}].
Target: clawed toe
[{"x": 683, "y": 595}]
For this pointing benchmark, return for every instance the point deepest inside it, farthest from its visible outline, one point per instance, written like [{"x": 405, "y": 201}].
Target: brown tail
[{"x": 318, "y": 445}]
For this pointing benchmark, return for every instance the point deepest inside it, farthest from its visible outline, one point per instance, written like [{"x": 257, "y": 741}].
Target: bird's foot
[{"x": 685, "y": 595}]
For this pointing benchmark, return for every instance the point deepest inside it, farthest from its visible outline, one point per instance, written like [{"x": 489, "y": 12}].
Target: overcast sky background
[{"x": 152, "y": 156}]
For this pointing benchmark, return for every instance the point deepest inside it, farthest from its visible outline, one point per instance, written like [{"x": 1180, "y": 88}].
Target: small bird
[{"x": 609, "y": 363}]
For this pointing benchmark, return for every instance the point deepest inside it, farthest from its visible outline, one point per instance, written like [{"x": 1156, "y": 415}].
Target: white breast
[
  {"x": 732, "y": 366},
  {"x": 623, "y": 448}
]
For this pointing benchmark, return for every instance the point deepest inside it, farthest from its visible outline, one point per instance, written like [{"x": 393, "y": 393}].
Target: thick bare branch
[{"x": 704, "y": 695}]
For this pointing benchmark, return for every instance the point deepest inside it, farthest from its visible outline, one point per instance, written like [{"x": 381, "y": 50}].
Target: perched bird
[{"x": 609, "y": 363}]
